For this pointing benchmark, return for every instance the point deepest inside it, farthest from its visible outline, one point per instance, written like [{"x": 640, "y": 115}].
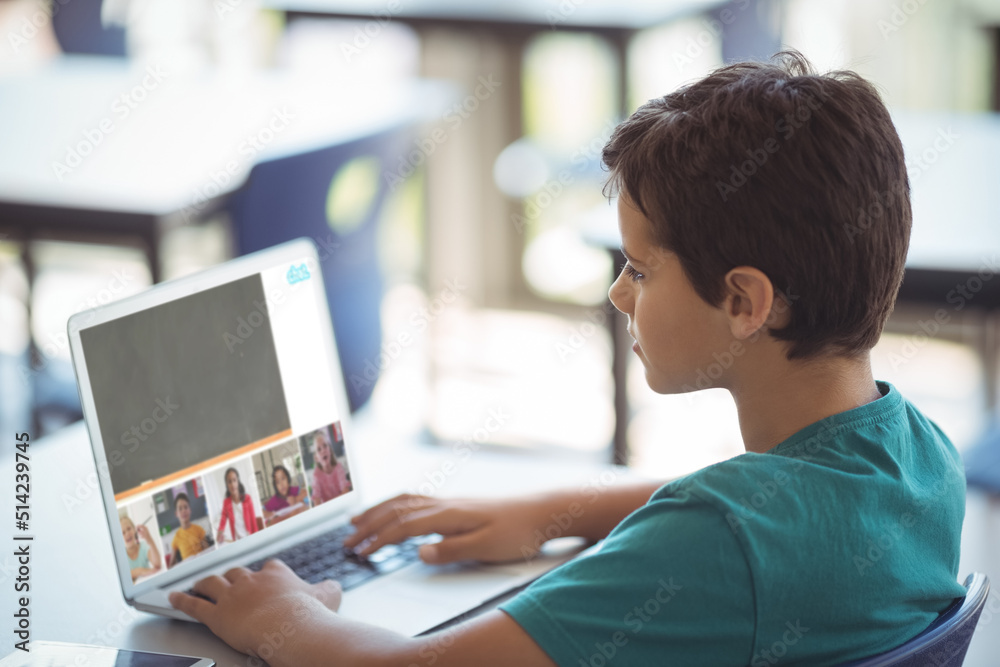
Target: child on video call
[
  {"x": 190, "y": 539},
  {"x": 285, "y": 495},
  {"x": 329, "y": 476},
  {"x": 237, "y": 510},
  {"x": 748, "y": 269},
  {"x": 143, "y": 557}
]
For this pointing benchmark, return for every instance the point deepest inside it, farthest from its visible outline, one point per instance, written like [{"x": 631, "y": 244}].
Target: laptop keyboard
[{"x": 326, "y": 557}]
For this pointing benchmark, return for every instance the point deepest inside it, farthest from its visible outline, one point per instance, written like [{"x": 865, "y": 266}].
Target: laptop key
[{"x": 353, "y": 579}]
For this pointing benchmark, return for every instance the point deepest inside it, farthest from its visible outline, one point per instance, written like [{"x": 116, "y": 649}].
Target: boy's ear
[{"x": 749, "y": 301}]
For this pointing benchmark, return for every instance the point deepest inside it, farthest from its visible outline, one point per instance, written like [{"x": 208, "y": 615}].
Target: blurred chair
[
  {"x": 982, "y": 461},
  {"x": 947, "y": 639},
  {"x": 78, "y": 28},
  {"x": 335, "y": 196},
  {"x": 56, "y": 400}
]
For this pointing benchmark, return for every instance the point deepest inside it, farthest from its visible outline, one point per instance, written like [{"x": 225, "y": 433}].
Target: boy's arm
[
  {"x": 275, "y": 615},
  {"x": 257, "y": 612},
  {"x": 497, "y": 529},
  {"x": 595, "y": 510}
]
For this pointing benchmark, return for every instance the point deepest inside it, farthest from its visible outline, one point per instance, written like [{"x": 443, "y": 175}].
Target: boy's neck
[{"x": 785, "y": 398}]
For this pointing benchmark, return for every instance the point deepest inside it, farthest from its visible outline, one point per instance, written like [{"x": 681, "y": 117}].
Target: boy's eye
[{"x": 632, "y": 273}]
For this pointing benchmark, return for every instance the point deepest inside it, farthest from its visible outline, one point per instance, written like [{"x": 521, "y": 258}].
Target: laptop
[{"x": 218, "y": 419}]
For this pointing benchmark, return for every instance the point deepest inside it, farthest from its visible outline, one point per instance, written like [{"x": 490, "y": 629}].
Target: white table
[
  {"x": 93, "y": 146},
  {"x": 75, "y": 595}
]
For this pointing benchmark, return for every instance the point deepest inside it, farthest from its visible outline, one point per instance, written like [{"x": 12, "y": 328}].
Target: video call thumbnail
[{"x": 326, "y": 463}]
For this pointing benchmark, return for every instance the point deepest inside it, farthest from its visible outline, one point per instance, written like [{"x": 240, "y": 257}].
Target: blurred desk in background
[
  {"x": 514, "y": 21},
  {"x": 629, "y": 14},
  {"x": 99, "y": 149}
]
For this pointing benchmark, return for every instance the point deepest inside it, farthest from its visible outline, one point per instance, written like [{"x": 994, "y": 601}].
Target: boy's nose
[{"x": 618, "y": 295}]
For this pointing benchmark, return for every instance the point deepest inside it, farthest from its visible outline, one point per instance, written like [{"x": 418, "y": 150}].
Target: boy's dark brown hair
[{"x": 773, "y": 166}]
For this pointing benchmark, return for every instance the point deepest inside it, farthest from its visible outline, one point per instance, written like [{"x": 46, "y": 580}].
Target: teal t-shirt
[{"x": 839, "y": 543}]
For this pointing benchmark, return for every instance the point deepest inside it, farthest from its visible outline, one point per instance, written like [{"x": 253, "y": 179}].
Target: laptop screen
[{"x": 218, "y": 415}]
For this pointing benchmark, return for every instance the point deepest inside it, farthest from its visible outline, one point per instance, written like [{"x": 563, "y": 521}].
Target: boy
[
  {"x": 189, "y": 540},
  {"x": 764, "y": 213}
]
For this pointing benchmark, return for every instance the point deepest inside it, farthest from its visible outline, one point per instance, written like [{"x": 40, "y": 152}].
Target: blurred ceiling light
[
  {"x": 521, "y": 169},
  {"x": 560, "y": 265},
  {"x": 352, "y": 194}
]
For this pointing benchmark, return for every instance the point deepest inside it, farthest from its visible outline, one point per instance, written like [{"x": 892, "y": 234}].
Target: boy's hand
[
  {"x": 250, "y": 606},
  {"x": 484, "y": 530}
]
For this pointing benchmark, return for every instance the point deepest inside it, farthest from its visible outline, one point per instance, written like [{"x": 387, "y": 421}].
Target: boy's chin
[{"x": 671, "y": 385}]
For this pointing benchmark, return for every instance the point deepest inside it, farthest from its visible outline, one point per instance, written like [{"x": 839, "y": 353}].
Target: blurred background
[{"x": 445, "y": 158}]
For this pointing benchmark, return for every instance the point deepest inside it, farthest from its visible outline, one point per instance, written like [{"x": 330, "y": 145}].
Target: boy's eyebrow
[{"x": 630, "y": 258}]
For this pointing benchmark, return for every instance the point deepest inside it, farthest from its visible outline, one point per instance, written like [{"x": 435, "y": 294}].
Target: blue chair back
[
  {"x": 287, "y": 198},
  {"x": 946, "y": 641},
  {"x": 78, "y": 29}
]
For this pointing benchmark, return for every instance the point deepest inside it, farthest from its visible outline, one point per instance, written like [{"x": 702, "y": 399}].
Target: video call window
[
  {"x": 233, "y": 501},
  {"x": 172, "y": 393}
]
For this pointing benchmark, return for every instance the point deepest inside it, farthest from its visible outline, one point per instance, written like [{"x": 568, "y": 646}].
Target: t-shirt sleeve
[{"x": 670, "y": 585}]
